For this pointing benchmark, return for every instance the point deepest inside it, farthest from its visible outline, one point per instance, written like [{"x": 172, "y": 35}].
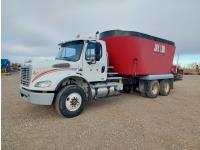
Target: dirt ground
[{"x": 122, "y": 122}]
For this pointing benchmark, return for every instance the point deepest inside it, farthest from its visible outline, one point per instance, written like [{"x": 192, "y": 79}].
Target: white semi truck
[{"x": 81, "y": 72}]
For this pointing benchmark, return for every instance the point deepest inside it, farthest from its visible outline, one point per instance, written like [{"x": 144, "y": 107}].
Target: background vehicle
[
  {"x": 5, "y": 65},
  {"x": 87, "y": 69},
  {"x": 177, "y": 72}
]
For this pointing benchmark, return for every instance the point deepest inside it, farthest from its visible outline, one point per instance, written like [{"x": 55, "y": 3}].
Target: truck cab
[
  {"x": 89, "y": 56},
  {"x": 78, "y": 73}
]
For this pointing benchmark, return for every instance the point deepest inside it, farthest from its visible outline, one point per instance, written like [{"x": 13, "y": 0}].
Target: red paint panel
[{"x": 135, "y": 55}]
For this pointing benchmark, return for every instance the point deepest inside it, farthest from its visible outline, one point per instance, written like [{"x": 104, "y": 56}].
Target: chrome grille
[{"x": 25, "y": 75}]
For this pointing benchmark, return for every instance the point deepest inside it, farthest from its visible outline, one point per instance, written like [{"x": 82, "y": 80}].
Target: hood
[
  {"x": 44, "y": 64},
  {"x": 38, "y": 67}
]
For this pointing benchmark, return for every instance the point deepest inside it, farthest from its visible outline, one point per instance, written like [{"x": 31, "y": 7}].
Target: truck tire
[
  {"x": 152, "y": 89},
  {"x": 164, "y": 87},
  {"x": 70, "y": 101}
]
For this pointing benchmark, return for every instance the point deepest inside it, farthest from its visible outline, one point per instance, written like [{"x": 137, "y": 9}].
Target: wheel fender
[{"x": 74, "y": 77}]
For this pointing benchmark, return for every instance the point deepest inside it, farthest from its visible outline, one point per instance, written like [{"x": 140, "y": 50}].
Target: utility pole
[{"x": 177, "y": 60}]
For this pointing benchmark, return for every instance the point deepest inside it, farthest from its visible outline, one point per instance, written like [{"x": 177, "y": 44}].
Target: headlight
[{"x": 43, "y": 84}]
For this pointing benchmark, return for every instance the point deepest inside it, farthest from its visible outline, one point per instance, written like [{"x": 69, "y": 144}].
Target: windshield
[{"x": 70, "y": 51}]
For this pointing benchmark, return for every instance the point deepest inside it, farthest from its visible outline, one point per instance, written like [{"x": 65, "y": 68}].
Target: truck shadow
[
  {"x": 113, "y": 100},
  {"x": 47, "y": 112}
]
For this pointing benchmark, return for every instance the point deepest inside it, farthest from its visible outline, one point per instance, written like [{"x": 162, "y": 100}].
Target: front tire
[{"x": 70, "y": 101}]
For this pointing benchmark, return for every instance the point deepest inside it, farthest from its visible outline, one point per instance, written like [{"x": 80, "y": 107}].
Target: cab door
[{"x": 94, "y": 62}]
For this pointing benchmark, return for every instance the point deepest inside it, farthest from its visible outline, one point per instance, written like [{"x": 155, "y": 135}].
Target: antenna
[{"x": 96, "y": 35}]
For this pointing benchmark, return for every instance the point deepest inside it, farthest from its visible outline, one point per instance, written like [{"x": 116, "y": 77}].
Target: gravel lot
[{"x": 122, "y": 122}]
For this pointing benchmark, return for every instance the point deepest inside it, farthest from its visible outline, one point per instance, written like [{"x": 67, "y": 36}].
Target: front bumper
[{"x": 37, "y": 97}]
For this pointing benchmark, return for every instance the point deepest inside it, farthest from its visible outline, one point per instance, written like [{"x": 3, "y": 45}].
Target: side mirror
[
  {"x": 92, "y": 61},
  {"x": 98, "y": 51}
]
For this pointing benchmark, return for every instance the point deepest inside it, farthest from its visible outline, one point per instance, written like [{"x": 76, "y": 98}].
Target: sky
[{"x": 33, "y": 28}]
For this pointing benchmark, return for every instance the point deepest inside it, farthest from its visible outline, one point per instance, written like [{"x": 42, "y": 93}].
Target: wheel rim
[
  {"x": 73, "y": 101},
  {"x": 166, "y": 87},
  {"x": 155, "y": 89}
]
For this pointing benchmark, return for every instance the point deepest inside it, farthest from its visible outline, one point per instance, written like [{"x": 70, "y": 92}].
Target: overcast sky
[{"x": 35, "y": 27}]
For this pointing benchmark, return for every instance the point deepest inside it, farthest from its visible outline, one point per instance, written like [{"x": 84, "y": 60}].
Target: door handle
[{"x": 103, "y": 69}]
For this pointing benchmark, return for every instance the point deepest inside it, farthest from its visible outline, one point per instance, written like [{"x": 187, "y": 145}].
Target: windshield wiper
[{"x": 65, "y": 58}]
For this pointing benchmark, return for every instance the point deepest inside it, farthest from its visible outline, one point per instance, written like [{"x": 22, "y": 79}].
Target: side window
[
  {"x": 90, "y": 51},
  {"x": 93, "y": 50}
]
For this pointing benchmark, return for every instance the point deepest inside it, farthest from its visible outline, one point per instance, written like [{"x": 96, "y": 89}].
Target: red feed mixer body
[{"x": 134, "y": 53}]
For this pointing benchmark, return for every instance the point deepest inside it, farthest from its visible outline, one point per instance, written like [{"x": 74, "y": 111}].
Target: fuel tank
[{"x": 134, "y": 53}]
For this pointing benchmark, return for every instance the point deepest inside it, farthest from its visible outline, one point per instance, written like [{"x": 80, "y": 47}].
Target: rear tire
[
  {"x": 164, "y": 87},
  {"x": 70, "y": 101},
  {"x": 152, "y": 89}
]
